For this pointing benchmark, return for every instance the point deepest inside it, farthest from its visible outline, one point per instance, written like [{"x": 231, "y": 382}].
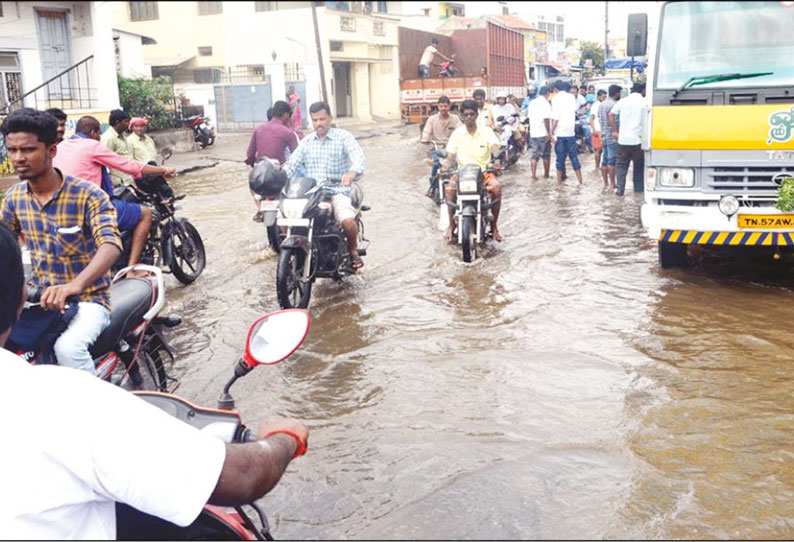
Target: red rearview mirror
[{"x": 275, "y": 336}]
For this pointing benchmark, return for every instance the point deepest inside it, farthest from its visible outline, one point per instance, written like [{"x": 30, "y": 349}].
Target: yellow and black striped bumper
[{"x": 743, "y": 238}]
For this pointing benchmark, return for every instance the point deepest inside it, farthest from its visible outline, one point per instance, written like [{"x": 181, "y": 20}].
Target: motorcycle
[
  {"x": 266, "y": 181},
  {"x": 173, "y": 242},
  {"x": 473, "y": 215},
  {"x": 203, "y": 133},
  {"x": 508, "y": 154},
  {"x": 315, "y": 246},
  {"x": 448, "y": 68},
  {"x": 134, "y": 337},
  {"x": 439, "y": 181},
  {"x": 271, "y": 339}
]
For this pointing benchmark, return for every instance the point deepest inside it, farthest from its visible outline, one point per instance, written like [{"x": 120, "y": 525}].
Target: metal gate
[{"x": 242, "y": 107}]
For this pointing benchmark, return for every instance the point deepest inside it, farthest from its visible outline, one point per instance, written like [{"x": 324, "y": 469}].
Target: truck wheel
[{"x": 672, "y": 255}]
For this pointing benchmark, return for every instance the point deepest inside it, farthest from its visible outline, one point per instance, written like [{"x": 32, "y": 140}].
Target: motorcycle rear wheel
[
  {"x": 292, "y": 291},
  {"x": 274, "y": 238},
  {"x": 152, "y": 370},
  {"x": 469, "y": 241},
  {"x": 188, "y": 256}
]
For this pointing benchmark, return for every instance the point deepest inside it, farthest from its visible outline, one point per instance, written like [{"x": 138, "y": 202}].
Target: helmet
[
  {"x": 266, "y": 179},
  {"x": 501, "y": 94}
]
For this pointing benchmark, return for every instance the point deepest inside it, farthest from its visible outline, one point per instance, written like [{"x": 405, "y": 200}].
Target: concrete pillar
[
  {"x": 277, "y": 81},
  {"x": 103, "y": 77},
  {"x": 361, "y": 104}
]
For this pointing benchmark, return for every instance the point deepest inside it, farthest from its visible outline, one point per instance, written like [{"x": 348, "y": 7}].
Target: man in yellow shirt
[
  {"x": 473, "y": 144},
  {"x": 113, "y": 139},
  {"x": 484, "y": 111},
  {"x": 141, "y": 144}
]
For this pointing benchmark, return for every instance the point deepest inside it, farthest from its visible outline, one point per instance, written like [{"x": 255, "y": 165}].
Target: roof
[
  {"x": 511, "y": 21},
  {"x": 146, "y": 40},
  {"x": 173, "y": 60}
]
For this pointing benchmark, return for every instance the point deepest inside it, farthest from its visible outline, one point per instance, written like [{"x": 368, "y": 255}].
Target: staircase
[{"x": 70, "y": 89}]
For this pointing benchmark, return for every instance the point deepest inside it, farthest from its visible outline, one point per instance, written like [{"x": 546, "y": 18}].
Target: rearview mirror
[
  {"x": 275, "y": 336},
  {"x": 638, "y": 34}
]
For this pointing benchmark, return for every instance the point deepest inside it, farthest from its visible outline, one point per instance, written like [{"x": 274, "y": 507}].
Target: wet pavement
[{"x": 561, "y": 387}]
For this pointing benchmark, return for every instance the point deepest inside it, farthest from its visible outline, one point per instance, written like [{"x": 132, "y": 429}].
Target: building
[
  {"x": 236, "y": 80},
  {"x": 58, "y": 54},
  {"x": 554, "y": 25}
]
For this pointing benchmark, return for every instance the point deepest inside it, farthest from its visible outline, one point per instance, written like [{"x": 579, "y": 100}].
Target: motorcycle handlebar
[{"x": 33, "y": 295}]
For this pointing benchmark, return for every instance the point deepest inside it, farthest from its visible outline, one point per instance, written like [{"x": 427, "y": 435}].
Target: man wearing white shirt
[
  {"x": 539, "y": 114},
  {"x": 563, "y": 128},
  {"x": 632, "y": 111},
  {"x": 75, "y": 445},
  {"x": 595, "y": 127}
]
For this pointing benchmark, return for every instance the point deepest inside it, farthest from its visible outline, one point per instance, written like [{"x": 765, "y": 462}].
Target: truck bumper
[{"x": 707, "y": 226}]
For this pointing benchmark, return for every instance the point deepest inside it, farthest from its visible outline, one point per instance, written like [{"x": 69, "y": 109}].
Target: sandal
[{"x": 356, "y": 262}]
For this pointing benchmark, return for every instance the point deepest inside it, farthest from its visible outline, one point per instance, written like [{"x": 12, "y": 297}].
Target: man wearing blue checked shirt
[{"x": 330, "y": 156}]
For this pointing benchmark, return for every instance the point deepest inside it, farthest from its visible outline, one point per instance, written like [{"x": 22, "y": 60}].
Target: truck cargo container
[{"x": 490, "y": 58}]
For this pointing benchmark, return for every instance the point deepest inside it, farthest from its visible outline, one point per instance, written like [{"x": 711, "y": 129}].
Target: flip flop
[{"x": 356, "y": 262}]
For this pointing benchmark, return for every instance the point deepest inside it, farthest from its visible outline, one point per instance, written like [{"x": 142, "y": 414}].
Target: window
[
  {"x": 347, "y": 23},
  {"x": 143, "y": 11},
  {"x": 336, "y": 46},
  {"x": 265, "y": 6},
  {"x": 10, "y": 80},
  {"x": 205, "y": 51},
  {"x": 505, "y": 11},
  {"x": 1, "y": 9},
  {"x": 383, "y": 7},
  {"x": 210, "y": 8},
  {"x": 377, "y": 28},
  {"x": 560, "y": 33}
]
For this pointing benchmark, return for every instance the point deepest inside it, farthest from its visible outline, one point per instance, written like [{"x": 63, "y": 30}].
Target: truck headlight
[
  {"x": 729, "y": 205},
  {"x": 650, "y": 179},
  {"x": 676, "y": 176}
]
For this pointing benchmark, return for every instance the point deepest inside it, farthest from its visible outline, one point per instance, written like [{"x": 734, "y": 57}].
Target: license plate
[
  {"x": 293, "y": 222},
  {"x": 768, "y": 222},
  {"x": 268, "y": 205}
]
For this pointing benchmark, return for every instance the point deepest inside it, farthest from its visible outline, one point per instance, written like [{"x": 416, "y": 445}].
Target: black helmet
[{"x": 266, "y": 179}]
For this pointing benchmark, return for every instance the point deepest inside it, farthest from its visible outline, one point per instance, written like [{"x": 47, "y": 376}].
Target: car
[{"x": 605, "y": 82}]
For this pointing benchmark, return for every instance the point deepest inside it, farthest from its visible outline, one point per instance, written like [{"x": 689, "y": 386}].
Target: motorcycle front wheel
[
  {"x": 469, "y": 238},
  {"x": 292, "y": 291},
  {"x": 188, "y": 257}
]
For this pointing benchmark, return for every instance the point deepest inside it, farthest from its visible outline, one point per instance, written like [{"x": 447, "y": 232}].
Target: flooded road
[{"x": 563, "y": 387}]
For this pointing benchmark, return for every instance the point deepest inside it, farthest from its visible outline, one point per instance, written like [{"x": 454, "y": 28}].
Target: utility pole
[
  {"x": 319, "y": 51},
  {"x": 606, "y": 36}
]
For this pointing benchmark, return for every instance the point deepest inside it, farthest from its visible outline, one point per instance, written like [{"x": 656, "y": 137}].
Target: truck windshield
[{"x": 712, "y": 38}]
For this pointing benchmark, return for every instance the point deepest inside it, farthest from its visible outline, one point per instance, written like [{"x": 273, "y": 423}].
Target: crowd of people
[{"x": 609, "y": 127}]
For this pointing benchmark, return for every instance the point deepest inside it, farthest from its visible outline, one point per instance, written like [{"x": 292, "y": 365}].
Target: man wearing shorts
[
  {"x": 472, "y": 144},
  {"x": 84, "y": 157},
  {"x": 539, "y": 113},
  {"x": 609, "y": 147}
]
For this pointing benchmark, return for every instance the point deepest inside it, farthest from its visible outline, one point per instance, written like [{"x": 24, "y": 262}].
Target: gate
[{"x": 242, "y": 107}]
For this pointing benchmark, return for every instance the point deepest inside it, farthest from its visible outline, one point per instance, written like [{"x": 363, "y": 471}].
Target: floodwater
[{"x": 562, "y": 387}]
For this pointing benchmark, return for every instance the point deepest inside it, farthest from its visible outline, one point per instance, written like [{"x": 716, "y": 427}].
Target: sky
[{"x": 585, "y": 20}]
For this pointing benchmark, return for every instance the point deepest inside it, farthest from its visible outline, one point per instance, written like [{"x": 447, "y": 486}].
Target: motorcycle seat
[{"x": 129, "y": 301}]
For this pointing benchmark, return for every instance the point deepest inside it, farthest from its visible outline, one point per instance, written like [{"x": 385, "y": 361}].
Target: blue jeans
[
  {"x": 436, "y": 166},
  {"x": 71, "y": 348},
  {"x": 566, "y": 146}
]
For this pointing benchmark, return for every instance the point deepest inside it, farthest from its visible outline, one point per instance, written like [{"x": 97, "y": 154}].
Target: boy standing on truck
[{"x": 427, "y": 58}]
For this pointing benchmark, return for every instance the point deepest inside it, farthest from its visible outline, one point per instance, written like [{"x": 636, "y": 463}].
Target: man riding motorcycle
[
  {"x": 326, "y": 155},
  {"x": 438, "y": 128},
  {"x": 472, "y": 144}
]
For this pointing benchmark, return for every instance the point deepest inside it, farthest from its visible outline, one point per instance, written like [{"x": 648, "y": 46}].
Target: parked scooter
[
  {"x": 315, "y": 245},
  {"x": 203, "y": 133},
  {"x": 173, "y": 242},
  {"x": 473, "y": 215},
  {"x": 134, "y": 337},
  {"x": 266, "y": 180},
  {"x": 271, "y": 339}
]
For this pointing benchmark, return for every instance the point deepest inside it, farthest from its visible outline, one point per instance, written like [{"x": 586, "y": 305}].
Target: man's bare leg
[
  {"x": 496, "y": 193},
  {"x": 578, "y": 175},
  {"x": 534, "y": 169},
  {"x": 139, "y": 234},
  {"x": 351, "y": 232}
]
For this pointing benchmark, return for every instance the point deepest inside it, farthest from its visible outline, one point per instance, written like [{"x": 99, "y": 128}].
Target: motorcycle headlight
[
  {"x": 650, "y": 179},
  {"x": 293, "y": 208},
  {"x": 467, "y": 186},
  {"x": 728, "y": 205},
  {"x": 675, "y": 176}
]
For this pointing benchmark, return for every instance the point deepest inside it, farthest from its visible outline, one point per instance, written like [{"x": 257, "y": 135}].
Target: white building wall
[{"x": 131, "y": 64}]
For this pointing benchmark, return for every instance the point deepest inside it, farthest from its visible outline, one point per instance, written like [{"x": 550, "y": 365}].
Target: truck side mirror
[{"x": 637, "y": 34}]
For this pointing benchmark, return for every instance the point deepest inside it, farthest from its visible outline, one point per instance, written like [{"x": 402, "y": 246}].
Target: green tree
[
  {"x": 150, "y": 98},
  {"x": 594, "y": 51}
]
